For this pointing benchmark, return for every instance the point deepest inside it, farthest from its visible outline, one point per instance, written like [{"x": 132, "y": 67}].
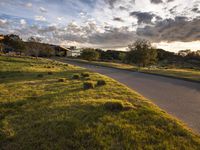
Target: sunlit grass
[{"x": 42, "y": 113}]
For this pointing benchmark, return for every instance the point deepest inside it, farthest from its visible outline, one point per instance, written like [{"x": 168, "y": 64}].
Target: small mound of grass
[
  {"x": 101, "y": 82},
  {"x": 76, "y": 76},
  {"x": 88, "y": 85},
  {"x": 85, "y": 75},
  {"x": 118, "y": 106},
  {"x": 61, "y": 80}
]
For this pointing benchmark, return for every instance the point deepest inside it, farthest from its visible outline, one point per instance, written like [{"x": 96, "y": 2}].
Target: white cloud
[
  {"x": 40, "y": 18},
  {"x": 23, "y": 22},
  {"x": 60, "y": 18},
  {"x": 29, "y": 5}
]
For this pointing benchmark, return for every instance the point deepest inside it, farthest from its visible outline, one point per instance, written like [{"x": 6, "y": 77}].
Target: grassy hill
[{"x": 42, "y": 107}]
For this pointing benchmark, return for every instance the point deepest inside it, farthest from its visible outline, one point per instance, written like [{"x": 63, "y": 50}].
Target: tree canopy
[{"x": 142, "y": 53}]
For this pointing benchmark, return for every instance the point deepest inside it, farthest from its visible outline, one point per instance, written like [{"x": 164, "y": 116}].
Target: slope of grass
[
  {"x": 188, "y": 74},
  {"x": 38, "y": 110}
]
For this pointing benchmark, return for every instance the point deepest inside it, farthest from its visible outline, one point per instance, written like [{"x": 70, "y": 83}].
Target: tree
[
  {"x": 15, "y": 42},
  {"x": 142, "y": 53},
  {"x": 90, "y": 54}
]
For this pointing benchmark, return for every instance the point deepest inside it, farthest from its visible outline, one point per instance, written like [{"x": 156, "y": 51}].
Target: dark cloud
[
  {"x": 156, "y": 1},
  {"x": 173, "y": 9},
  {"x": 113, "y": 37},
  {"x": 170, "y": 1},
  {"x": 196, "y": 10},
  {"x": 178, "y": 29},
  {"x": 143, "y": 17},
  {"x": 123, "y": 8},
  {"x": 118, "y": 19},
  {"x": 111, "y": 3}
]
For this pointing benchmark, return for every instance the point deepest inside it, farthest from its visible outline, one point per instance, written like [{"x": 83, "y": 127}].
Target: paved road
[{"x": 178, "y": 97}]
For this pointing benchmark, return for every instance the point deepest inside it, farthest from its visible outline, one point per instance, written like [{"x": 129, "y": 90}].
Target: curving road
[{"x": 177, "y": 97}]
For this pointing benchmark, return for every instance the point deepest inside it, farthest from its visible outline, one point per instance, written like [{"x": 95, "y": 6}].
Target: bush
[
  {"x": 61, "y": 80},
  {"x": 85, "y": 75},
  {"x": 40, "y": 75},
  {"x": 88, "y": 85},
  {"x": 101, "y": 82},
  {"x": 114, "y": 106},
  {"x": 76, "y": 76}
]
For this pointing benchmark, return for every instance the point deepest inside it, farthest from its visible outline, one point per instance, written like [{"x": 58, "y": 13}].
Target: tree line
[{"x": 141, "y": 52}]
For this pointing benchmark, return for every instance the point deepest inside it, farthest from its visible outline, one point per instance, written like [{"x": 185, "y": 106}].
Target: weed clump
[
  {"x": 76, "y": 76},
  {"x": 114, "y": 106},
  {"x": 101, "y": 82},
  {"x": 61, "y": 80},
  {"x": 88, "y": 85}
]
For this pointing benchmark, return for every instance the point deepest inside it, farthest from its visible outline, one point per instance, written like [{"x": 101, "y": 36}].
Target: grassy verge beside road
[
  {"x": 186, "y": 74},
  {"x": 43, "y": 106}
]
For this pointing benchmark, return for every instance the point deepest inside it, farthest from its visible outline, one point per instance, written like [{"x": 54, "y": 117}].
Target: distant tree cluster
[
  {"x": 33, "y": 47},
  {"x": 15, "y": 43},
  {"x": 112, "y": 55},
  {"x": 188, "y": 54},
  {"x": 90, "y": 54}
]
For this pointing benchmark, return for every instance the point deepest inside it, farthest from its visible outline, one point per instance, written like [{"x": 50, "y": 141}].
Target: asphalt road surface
[{"x": 177, "y": 97}]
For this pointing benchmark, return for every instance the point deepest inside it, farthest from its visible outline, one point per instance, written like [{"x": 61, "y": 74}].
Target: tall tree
[{"x": 142, "y": 53}]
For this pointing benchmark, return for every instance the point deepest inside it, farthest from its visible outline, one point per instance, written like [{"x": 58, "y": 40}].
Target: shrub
[
  {"x": 88, "y": 85},
  {"x": 114, "y": 106},
  {"x": 61, "y": 80},
  {"x": 101, "y": 82},
  {"x": 40, "y": 75},
  {"x": 85, "y": 75},
  {"x": 50, "y": 73},
  {"x": 76, "y": 76}
]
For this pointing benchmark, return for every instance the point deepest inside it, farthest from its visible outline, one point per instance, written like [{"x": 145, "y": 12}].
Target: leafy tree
[
  {"x": 90, "y": 54},
  {"x": 142, "y": 53},
  {"x": 15, "y": 42}
]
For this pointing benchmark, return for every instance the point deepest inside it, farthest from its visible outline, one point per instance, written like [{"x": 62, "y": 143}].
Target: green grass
[
  {"x": 188, "y": 74},
  {"x": 43, "y": 113}
]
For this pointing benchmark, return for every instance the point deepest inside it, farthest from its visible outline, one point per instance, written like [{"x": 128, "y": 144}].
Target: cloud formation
[
  {"x": 102, "y": 23},
  {"x": 178, "y": 29}
]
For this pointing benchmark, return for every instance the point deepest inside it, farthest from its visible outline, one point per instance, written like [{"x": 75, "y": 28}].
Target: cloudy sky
[{"x": 111, "y": 24}]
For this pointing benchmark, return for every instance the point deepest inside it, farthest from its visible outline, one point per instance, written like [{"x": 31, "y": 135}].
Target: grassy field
[
  {"x": 188, "y": 74},
  {"x": 42, "y": 107}
]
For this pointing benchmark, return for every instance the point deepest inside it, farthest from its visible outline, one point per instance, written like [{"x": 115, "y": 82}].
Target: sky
[{"x": 109, "y": 24}]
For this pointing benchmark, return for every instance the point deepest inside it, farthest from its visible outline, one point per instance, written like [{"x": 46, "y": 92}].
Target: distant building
[
  {"x": 73, "y": 52},
  {"x": 67, "y": 52}
]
